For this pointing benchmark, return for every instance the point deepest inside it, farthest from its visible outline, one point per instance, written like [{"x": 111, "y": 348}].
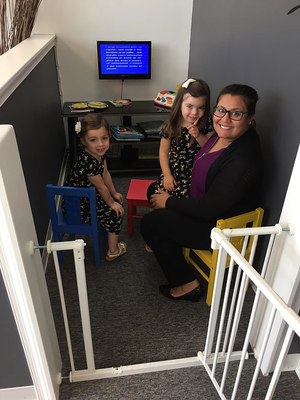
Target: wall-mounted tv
[{"x": 124, "y": 60}]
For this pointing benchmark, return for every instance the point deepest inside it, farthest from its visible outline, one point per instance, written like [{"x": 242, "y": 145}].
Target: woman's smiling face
[{"x": 227, "y": 128}]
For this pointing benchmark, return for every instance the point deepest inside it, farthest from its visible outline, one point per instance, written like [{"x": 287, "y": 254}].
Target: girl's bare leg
[{"x": 113, "y": 243}]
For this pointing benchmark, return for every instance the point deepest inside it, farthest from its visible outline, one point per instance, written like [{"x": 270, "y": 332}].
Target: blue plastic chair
[{"x": 71, "y": 222}]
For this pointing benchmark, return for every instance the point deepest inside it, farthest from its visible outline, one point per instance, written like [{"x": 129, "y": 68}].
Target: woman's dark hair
[
  {"x": 199, "y": 88},
  {"x": 248, "y": 94},
  {"x": 91, "y": 122}
]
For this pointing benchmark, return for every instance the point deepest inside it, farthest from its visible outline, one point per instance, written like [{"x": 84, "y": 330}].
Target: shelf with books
[
  {"x": 141, "y": 111},
  {"x": 133, "y": 155},
  {"x": 126, "y": 133}
]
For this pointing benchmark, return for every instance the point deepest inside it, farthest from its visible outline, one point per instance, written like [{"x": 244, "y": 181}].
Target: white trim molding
[
  {"x": 49, "y": 234},
  {"x": 17, "y": 63},
  {"x": 19, "y": 393},
  {"x": 292, "y": 363},
  {"x": 21, "y": 274}
]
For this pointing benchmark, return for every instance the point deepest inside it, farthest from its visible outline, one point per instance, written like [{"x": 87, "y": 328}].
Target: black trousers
[
  {"x": 166, "y": 232},
  {"x": 151, "y": 190}
]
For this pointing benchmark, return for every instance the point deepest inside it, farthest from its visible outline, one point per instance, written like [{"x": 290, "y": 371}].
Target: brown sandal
[
  {"x": 122, "y": 250},
  {"x": 148, "y": 249}
]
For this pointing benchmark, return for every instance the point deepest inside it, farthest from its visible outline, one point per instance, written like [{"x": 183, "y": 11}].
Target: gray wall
[
  {"x": 35, "y": 112},
  {"x": 14, "y": 370},
  {"x": 255, "y": 42}
]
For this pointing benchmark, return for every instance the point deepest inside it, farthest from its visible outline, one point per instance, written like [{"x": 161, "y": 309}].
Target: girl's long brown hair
[{"x": 199, "y": 88}]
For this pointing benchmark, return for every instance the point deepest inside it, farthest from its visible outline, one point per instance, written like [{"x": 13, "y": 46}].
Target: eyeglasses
[{"x": 234, "y": 114}]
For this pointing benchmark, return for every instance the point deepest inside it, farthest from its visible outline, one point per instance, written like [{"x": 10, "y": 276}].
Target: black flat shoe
[{"x": 193, "y": 295}]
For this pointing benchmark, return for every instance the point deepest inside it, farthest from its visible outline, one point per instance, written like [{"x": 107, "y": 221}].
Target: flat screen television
[{"x": 124, "y": 60}]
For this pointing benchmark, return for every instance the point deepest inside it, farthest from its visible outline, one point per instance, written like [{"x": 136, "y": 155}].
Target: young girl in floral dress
[
  {"x": 186, "y": 131},
  {"x": 90, "y": 169}
]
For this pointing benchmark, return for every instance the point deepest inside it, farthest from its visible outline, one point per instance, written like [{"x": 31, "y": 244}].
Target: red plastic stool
[{"x": 136, "y": 196}]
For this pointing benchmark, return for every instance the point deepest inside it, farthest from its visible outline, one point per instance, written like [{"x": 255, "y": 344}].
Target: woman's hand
[
  {"x": 118, "y": 197},
  {"x": 118, "y": 208},
  {"x": 169, "y": 183},
  {"x": 159, "y": 200}
]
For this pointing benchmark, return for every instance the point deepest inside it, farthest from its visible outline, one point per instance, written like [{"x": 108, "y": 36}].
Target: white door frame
[
  {"x": 23, "y": 273},
  {"x": 283, "y": 275}
]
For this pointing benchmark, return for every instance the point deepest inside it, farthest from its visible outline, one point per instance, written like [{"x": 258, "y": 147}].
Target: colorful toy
[
  {"x": 165, "y": 98},
  {"x": 79, "y": 106},
  {"x": 120, "y": 103},
  {"x": 97, "y": 104}
]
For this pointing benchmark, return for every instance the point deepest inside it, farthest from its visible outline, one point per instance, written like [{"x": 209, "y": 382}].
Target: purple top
[{"x": 202, "y": 163}]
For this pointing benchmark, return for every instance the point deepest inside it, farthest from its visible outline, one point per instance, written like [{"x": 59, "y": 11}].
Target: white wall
[
  {"x": 283, "y": 273},
  {"x": 79, "y": 24}
]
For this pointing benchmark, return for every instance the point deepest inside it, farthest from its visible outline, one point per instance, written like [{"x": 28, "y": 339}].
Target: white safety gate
[
  {"x": 220, "y": 348},
  {"x": 232, "y": 308}
]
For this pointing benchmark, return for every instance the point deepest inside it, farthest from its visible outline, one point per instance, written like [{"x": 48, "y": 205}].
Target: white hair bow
[
  {"x": 186, "y": 83},
  {"x": 78, "y": 127}
]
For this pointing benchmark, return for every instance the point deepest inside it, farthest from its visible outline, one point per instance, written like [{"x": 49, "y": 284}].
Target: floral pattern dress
[
  {"x": 85, "y": 166},
  {"x": 181, "y": 159}
]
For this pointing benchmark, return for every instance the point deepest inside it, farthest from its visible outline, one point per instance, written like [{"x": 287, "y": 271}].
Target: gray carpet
[{"x": 133, "y": 323}]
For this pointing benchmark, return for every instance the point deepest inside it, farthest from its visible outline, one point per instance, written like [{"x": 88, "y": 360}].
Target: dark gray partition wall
[
  {"x": 14, "y": 371},
  {"x": 34, "y": 110},
  {"x": 257, "y": 43}
]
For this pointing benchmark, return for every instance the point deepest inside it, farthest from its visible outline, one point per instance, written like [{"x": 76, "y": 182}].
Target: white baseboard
[
  {"x": 291, "y": 363},
  {"x": 63, "y": 171},
  {"x": 297, "y": 370},
  {"x": 19, "y": 393},
  {"x": 60, "y": 182}
]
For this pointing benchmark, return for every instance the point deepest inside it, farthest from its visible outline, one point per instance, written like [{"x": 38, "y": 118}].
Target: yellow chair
[{"x": 250, "y": 219}]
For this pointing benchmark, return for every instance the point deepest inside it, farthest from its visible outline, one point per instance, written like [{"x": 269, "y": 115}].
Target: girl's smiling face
[
  {"x": 96, "y": 142},
  {"x": 192, "y": 108}
]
